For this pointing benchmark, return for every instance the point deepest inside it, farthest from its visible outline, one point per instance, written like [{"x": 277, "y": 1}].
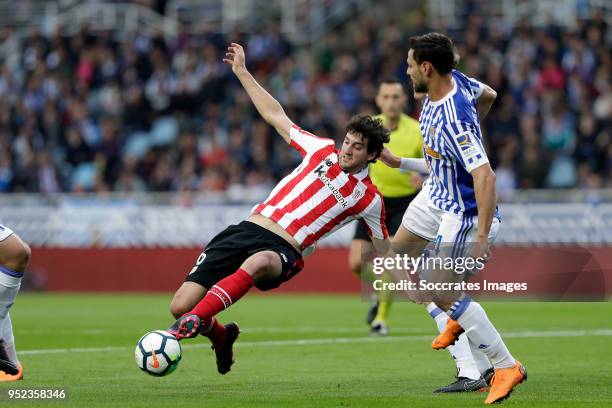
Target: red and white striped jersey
[{"x": 318, "y": 197}]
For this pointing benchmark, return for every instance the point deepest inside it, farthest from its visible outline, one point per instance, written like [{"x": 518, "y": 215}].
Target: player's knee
[
  {"x": 178, "y": 307},
  {"x": 264, "y": 260},
  {"x": 26, "y": 254},
  {"x": 262, "y": 265},
  {"x": 19, "y": 257}
]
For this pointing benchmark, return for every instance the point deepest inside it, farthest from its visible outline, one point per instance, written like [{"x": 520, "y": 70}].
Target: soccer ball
[{"x": 158, "y": 353}]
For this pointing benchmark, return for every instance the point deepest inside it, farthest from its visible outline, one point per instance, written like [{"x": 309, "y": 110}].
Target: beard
[{"x": 420, "y": 87}]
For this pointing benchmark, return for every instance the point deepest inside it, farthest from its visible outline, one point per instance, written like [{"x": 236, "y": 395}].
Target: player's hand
[
  {"x": 389, "y": 158},
  {"x": 417, "y": 180},
  {"x": 481, "y": 250},
  {"x": 235, "y": 57}
]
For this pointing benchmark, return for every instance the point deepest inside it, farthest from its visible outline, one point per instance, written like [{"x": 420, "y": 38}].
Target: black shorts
[
  {"x": 231, "y": 247},
  {"x": 394, "y": 212}
]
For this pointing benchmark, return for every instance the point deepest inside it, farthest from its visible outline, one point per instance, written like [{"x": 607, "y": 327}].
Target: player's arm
[
  {"x": 403, "y": 163},
  {"x": 485, "y": 97},
  {"x": 383, "y": 246},
  {"x": 268, "y": 107},
  {"x": 486, "y": 200},
  {"x": 374, "y": 218},
  {"x": 485, "y": 101}
]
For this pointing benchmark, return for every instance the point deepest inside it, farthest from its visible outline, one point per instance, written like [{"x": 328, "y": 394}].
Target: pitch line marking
[{"x": 336, "y": 340}]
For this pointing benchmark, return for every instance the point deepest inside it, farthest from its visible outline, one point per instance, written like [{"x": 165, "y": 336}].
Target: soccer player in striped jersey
[
  {"x": 457, "y": 205},
  {"x": 14, "y": 257},
  {"x": 329, "y": 189}
]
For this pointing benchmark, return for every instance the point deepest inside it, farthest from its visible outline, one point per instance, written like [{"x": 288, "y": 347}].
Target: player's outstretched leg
[
  {"x": 219, "y": 297},
  {"x": 10, "y": 368},
  {"x": 259, "y": 267},
  {"x": 471, "y": 317},
  {"x": 222, "y": 337},
  {"x": 14, "y": 257}
]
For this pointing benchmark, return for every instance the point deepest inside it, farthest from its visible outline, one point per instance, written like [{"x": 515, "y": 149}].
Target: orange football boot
[
  {"x": 503, "y": 382},
  {"x": 15, "y": 377},
  {"x": 449, "y": 335}
]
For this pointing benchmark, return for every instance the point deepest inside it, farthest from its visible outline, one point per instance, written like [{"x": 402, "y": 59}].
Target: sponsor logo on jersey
[
  {"x": 464, "y": 142},
  {"x": 322, "y": 175}
]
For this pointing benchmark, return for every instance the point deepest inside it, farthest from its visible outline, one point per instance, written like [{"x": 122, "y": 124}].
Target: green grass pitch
[{"x": 301, "y": 351}]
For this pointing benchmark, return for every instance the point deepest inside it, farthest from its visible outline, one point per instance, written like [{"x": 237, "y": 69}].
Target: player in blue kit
[
  {"x": 14, "y": 257},
  {"x": 457, "y": 205}
]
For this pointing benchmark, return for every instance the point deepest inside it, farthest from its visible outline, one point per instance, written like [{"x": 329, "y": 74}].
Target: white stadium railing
[
  {"x": 302, "y": 21},
  {"x": 537, "y": 12},
  {"x": 123, "y": 18},
  {"x": 171, "y": 220}
]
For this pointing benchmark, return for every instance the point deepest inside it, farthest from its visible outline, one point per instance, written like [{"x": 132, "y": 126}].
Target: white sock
[
  {"x": 9, "y": 340},
  {"x": 479, "y": 329},
  {"x": 9, "y": 286},
  {"x": 460, "y": 351},
  {"x": 480, "y": 359}
]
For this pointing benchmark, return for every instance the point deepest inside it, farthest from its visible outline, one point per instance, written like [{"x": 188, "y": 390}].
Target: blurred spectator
[{"x": 89, "y": 112}]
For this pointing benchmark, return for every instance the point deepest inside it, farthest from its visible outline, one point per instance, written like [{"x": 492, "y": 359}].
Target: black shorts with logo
[
  {"x": 231, "y": 247},
  {"x": 394, "y": 212}
]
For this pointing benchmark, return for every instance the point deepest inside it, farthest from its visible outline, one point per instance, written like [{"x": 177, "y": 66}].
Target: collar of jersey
[
  {"x": 363, "y": 173},
  {"x": 447, "y": 96}
]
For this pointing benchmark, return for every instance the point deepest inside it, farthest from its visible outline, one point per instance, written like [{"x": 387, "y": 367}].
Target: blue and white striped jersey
[{"x": 452, "y": 145}]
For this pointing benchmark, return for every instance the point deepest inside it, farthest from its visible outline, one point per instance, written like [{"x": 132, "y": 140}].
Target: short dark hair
[
  {"x": 435, "y": 48},
  {"x": 391, "y": 81},
  {"x": 370, "y": 129}
]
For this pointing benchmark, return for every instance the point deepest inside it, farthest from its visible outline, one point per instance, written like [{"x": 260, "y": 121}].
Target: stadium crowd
[{"x": 89, "y": 113}]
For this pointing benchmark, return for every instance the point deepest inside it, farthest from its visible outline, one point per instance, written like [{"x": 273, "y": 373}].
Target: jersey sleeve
[
  {"x": 374, "y": 218},
  {"x": 463, "y": 144},
  {"x": 476, "y": 87},
  {"x": 307, "y": 143}
]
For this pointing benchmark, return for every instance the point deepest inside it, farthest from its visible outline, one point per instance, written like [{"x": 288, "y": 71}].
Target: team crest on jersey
[
  {"x": 328, "y": 162},
  {"x": 357, "y": 194},
  {"x": 432, "y": 131},
  {"x": 431, "y": 153}
]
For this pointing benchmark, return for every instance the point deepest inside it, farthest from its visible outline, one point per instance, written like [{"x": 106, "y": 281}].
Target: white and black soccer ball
[{"x": 158, "y": 353}]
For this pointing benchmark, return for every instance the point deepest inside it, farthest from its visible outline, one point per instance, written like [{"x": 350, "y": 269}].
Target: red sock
[
  {"x": 214, "y": 330},
  {"x": 222, "y": 295}
]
